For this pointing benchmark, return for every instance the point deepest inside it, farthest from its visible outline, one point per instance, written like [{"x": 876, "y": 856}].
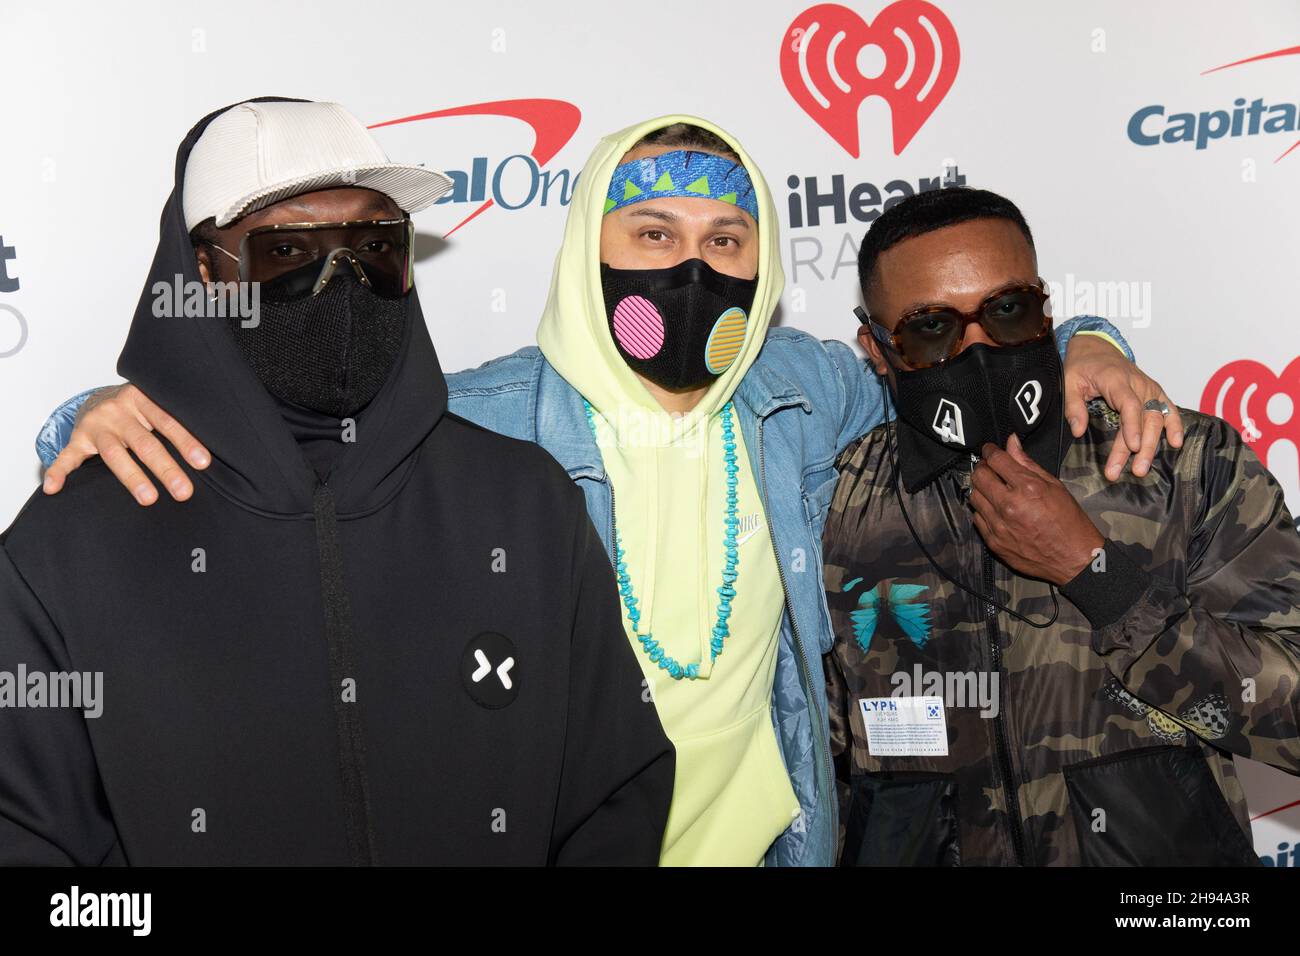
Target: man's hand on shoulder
[
  {"x": 1096, "y": 369},
  {"x": 118, "y": 424}
]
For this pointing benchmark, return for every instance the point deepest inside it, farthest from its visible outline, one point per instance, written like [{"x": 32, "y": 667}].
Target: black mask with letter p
[{"x": 985, "y": 394}]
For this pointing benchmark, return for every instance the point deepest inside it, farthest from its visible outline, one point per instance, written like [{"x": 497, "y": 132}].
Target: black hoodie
[{"x": 308, "y": 673}]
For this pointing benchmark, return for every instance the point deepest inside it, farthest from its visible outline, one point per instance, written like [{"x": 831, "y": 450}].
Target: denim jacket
[{"x": 799, "y": 405}]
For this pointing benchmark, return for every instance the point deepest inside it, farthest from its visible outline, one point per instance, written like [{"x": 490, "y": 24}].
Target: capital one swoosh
[
  {"x": 553, "y": 123},
  {"x": 1288, "y": 51},
  {"x": 1267, "y": 813}
]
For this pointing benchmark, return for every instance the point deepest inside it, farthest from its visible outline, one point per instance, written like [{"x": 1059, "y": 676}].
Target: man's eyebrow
[
  {"x": 918, "y": 306},
  {"x": 1004, "y": 287},
  {"x": 662, "y": 215}
]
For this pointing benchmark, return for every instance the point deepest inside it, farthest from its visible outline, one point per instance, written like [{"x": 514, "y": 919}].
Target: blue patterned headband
[{"x": 683, "y": 172}]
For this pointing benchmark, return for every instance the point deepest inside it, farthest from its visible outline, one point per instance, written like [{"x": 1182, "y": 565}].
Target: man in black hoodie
[{"x": 378, "y": 633}]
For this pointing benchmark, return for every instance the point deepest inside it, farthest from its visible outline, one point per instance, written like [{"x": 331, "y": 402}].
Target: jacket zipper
[
  {"x": 1010, "y": 786},
  {"x": 824, "y": 765},
  {"x": 613, "y": 531},
  {"x": 342, "y": 665}
]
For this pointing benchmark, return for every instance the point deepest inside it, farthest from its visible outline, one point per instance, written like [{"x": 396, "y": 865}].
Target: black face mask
[
  {"x": 946, "y": 413},
  {"x": 983, "y": 395},
  {"x": 331, "y": 352},
  {"x": 680, "y": 327}
]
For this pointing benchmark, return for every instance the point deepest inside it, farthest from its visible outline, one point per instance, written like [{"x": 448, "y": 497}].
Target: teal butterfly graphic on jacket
[{"x": 901, "y": 602}]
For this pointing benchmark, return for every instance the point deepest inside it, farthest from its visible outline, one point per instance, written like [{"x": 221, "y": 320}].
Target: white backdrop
[{"x": 1190, "y": 246}]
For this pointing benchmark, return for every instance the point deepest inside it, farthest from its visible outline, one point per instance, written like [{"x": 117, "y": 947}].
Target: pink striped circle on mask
[{"x": 639, "y": 327}]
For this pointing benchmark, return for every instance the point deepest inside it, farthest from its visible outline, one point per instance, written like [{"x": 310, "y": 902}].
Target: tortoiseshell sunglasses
[{"x": 931, "y": 336}]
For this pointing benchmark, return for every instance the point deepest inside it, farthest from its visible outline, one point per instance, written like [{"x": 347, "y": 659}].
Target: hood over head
[
  {"x": 574, "y": 331},
  {"x": 190, "y": 365},
  {"x": 672, "y": 473}
]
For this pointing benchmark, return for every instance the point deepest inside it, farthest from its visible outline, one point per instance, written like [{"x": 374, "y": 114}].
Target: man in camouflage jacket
[{"x": 1108, "y": 736}]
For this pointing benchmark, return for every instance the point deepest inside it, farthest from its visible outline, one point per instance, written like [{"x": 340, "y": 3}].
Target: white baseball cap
[{"x": 255, "y": 154}]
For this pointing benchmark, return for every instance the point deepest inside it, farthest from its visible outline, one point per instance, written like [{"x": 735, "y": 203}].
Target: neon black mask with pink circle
[
  {"x": 679, "y": 327},
  {"x": 683, "y": 326}
]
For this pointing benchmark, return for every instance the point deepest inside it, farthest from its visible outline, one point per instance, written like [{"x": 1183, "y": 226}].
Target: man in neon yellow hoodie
[{"x": 705, "y": 446}]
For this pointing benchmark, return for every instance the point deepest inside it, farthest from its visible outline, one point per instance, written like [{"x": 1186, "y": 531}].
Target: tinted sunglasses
[
  {"x": 297, "y": 259},
  {"x": 931, "y": 336}
]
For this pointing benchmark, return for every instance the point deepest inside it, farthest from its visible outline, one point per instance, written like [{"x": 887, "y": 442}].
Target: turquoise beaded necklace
[{"x": 649, "y": 645}]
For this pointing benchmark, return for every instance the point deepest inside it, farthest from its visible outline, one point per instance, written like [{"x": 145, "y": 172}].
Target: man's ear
[
  {"x": 873, "y": 350},
  {"x": 204, "y": 255}
]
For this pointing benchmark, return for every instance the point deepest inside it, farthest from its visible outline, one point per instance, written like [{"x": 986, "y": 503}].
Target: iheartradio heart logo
[
  {"x": 1241, "y": 392},
  {"x": 832, "y": 60}
]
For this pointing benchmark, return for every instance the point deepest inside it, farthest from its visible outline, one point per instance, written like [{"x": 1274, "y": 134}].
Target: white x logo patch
[{"x": 485, "y": 668}]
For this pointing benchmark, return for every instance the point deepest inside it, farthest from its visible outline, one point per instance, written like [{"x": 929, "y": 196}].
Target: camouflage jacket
[{"x": 1070, "y": 744}]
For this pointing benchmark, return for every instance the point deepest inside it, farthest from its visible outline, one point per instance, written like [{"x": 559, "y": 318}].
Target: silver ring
[{"x": 1155, "y": 405}]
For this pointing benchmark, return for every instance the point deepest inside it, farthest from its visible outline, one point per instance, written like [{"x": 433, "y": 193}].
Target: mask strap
[
  {"x": 212, "y": 296},
  {"x": 898, "y": 493},
  {"x": 219, "y": 249}
]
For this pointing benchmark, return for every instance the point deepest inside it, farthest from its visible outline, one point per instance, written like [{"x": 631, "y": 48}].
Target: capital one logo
[
  {"x": 1150, "y": 126},
  {"x": 1242, "y": 392},
  {"x": 832, "y": 60},
  {"x": 553, "y": 123}
]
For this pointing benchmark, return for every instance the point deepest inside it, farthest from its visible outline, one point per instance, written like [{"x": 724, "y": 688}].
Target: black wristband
[{"x": 1108, "y": 593}]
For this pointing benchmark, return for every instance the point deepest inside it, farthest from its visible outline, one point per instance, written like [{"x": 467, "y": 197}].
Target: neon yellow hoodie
[{"x": 732, "y": 796}]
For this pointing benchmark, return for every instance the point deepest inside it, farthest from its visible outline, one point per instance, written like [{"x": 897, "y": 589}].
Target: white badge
[{"x": 905, "y": 726}]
